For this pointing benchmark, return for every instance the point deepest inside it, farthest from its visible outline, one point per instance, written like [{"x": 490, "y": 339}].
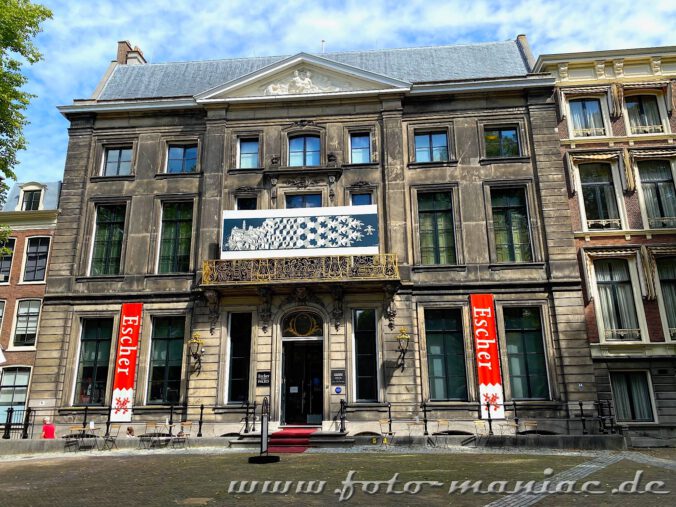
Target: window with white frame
[
  {"x": 431, "y": 146},
  {"x": 617, "y": 303},
  {"x": 599, "y": 198},
  {"x": 6, "y": 260},
  {"x": 2, "y": 315},
  {"x": 365, "y": 355},
  {"x": 117, "y": 161},
  {"x": 37, "y": 252},
  {"x": 27, "y": 317},
  {"x": 360, "y": 148},
  {"x": 666, "y": 272},
  {"x": 181, "y": 158},
  {"x": 643, "y": 113},
  {"x": 304, "y": 151},
  {"x": 632, "y": 397},
  {"x": 659, "y": 193},
  {"x": 248, "y": 153},
  {"x": 13, "y": 392},
  {"x": 31, "y": 200},
  {"x": 586, "y": 116}
]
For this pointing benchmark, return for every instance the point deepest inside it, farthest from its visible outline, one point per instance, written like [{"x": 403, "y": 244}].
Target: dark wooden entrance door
[{"x": 303, "y": 385}]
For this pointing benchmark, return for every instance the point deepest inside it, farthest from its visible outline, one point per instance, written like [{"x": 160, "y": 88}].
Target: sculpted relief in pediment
[{"x": 305, "y": 81}]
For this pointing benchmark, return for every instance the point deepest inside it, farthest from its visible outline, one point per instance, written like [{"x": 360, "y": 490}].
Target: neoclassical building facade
[{"x": 316, "y": 229}]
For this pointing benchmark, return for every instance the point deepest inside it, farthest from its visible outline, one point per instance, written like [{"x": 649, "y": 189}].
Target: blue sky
[{"x": 80, "y": 41}]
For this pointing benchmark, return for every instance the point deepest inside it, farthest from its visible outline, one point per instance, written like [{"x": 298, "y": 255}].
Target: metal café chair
[
  {"x": 149, "y": 436},
  {"x": 72, "y": 438},
  {"x": 440, "y": 437},
  {"x": 480, "y": 430},
  {"x": 110, "y": 441},
  {"x": 182, "y": 435}
]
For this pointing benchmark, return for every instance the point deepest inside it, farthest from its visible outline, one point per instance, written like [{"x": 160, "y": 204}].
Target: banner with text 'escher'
[
  {"x": 125, "y": 362},
  {"x": 487, "y": 356}
]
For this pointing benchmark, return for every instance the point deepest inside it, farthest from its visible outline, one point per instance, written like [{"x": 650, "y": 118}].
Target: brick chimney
[{"x": 126, "y": 55}]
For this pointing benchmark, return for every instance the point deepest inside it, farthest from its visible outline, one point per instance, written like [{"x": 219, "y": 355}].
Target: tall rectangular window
[
  {"x": 431, "y": 147},
  {"x": 240, "y": 357},
  {"x": 248, "y": 153},
  {"x": 304, "y": 201},
  {"x": 587, "y": 118},
  {"x": 176, "y": 237},
  {"x": 360, "y": 148},
  {"x": 92, "y": 371},
  {"x": 304, "y": 151},
  {"x": 31, "y": 200},
  {"x": 666, "y": 269},
  {"x": 13, "y": 392},
  {"x": 108, "y": 239},
  {"x": 644, "y": 114},
  {"x": 631, "y": 394},
  {"x": 659, "y": 194},
  {"x": 445, "y": 354},
  {"x": 616, "y": 300},
  {"x": 182, "y": 159},
  {"x": 510, "y": 225},
  {"x": 365, "y": 355},
  {"x": 598, "y": 195},
  {"x": 166, "y": 360},
  {"x": 501, "y": 142},
  {"x": 117, "y": 162},
  {"x": 36, "y": 259},
  {"x": 27, "y": 317},
  {"x": 6, "y": 260},
  {"x": 435, "y": 225},
  {"x": 526, "y": 354}
]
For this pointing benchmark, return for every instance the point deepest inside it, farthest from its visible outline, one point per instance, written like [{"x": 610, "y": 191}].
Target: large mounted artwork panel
[{"x": 300, "y": 232}]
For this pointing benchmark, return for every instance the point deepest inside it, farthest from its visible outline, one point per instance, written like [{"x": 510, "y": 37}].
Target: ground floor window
[
  {"x": 631, "y": 393},
  {"x": 13, "y": 392},
  {"x": 92, "y": 371},
  {"x": 365, "y": 354},
  {"x": 445, "y": 354},
  {"x": 240, "y": 357},
  {"x": 166, "y": 359},
  {"x": 526, "y": 353}
]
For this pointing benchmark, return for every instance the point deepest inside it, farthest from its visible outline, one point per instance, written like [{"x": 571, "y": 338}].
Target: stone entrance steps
[{"x": 317, "y": 439}]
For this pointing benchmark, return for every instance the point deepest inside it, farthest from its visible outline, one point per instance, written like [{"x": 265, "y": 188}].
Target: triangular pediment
[{"x": 302, "y": 75}]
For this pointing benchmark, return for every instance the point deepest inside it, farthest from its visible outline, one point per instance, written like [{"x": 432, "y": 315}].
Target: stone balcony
[{"x": 286, "y": 270}]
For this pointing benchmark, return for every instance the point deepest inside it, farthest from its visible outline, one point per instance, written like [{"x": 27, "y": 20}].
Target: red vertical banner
[
  {"x": 487, "y": 356},
  {"x": 125, "y": 362}
]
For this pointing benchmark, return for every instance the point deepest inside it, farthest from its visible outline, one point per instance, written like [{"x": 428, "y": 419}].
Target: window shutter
[
  {"x": 560, "y": 105},
  {"x": 647, "y": 268},
  {"x": 585, "y": 264},
  {"x": 669, "y": 96},
  {"x": 626, "y": 166},
  {"x": 570, "y": 173}
]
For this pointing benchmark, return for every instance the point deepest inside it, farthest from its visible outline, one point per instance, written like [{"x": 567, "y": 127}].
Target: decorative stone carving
[
  {"x": 390, "y": 307},
  {"x": 656, "y": 65},
  {"x": 618, "y": 67},
  {"x": 337, "y": 310},
  {"x": 273, "y": 192},
  {"x": 563, "y": 71},
  {"x": 361, "y": 184},
  {"x": 275, "y": 159},
  {"x": 246, "y": 190},
  {"x": 332, "y": 192},
  {"x": 302, "y": 182},
  {"x": 304, "y": 123},
  {"x": 265, "y": 309},
  {"x": 600, "y": 68},
  {"x": 303, "y": 81},
  {"x": 212, "y": 298},
  {"x": 332, "y": 159},
  {"x": 303, "y": 296}
]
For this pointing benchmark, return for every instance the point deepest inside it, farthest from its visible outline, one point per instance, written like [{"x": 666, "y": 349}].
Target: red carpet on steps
[{"x": 290, "y": 440}]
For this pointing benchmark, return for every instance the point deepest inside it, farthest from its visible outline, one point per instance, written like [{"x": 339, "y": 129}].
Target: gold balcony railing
[{"x": 338, "y": 268}]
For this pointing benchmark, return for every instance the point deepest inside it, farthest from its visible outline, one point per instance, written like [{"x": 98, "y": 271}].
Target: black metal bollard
[
  {"x": 516, "y": 416},
  {"x": 26, "y": 423},
  {"x": 246, "y": 418},
  {"x": 490, "y": 420},
  {"x": 110, "y": 410},
  {"x": 86, "y": 414},
  {"x": 8, "y": 423},
  {"x": 582, "y": 418},
  {"x": 171, "y": 419},
  {"x": 199, "y": 430},
  {"x": 389, "y": 417},
  {"x": 424, "y": 408},
  {"x": 343, "y": 408},
  {"x": 253, "y": 422}
]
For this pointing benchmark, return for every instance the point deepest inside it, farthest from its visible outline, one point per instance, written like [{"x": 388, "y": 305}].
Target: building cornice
[
  {"x": 590, "y": 56},
  {"x": 29, "y": 219}
]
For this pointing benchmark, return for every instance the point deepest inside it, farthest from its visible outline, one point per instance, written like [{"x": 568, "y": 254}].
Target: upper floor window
[
  {"x": 510, "y": 225},
  {"x": 598, "y": 194},
  {"x": 108, "y": 236},
  {"x": 666, "y": 270},
  {"x": 587, "y": 117},
  {"x": 176, "y": 237},
  {"x": 117, "y": 161},
  {"x": 526, "y": 353},
  {"x": 644, "y": 114},
  {"x": 248, "y": 153},
  {"x": 501, "y": 142},
  {"x": 92, "y": 370},
  {"x": 360, "y": 148},
  {"x": 6, "y": 260},
  {"x": 246, "y": 203},
  {"x": 659, "y": 194},
  {"x": 304, "y": 201},
  {"x": 435, "y": 225},
  {"x": 31, "y": 200},
  {"x": 616, "y": 300},
  {"x": 304, "y": 151},
  {"x": 445, "y": 354},
  {"x": 37, "y": 252},
  {"x": 182, "y": 159},
  {"x": 27, "y": 317},
  {"x": 361, "y": 199},
  {"x": 431, "y": 147}
]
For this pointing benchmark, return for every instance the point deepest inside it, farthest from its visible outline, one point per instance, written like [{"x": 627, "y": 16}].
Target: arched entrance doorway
[{"x": 302, "y": 372}]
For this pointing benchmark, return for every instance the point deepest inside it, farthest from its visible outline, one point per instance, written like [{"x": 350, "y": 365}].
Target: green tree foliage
[{"x": 19, "y": 23}]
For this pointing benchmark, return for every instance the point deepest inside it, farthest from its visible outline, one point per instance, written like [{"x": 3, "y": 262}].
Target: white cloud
[{"x": 81, "y": 40}]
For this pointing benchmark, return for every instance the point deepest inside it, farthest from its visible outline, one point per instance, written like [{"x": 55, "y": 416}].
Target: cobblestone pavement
[{"x": 215, "y": 477}]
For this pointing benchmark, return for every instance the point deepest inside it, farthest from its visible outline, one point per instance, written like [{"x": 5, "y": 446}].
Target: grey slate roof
[
  {"x": 50, "y": 200},
  {"x": 414, "y": 65}
]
